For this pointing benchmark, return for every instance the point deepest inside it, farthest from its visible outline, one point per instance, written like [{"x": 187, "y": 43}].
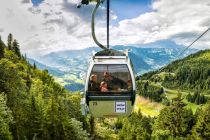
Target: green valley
[{"x": 189, "y": 77}]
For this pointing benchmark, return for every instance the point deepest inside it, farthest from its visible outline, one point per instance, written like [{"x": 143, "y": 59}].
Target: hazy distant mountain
[
  {"x": 72, "y": 65},
  {"x": 51, "y": 70}
]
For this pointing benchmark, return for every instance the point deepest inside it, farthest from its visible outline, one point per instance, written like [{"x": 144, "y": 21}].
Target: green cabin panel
[{"x": 110, "y": 108}]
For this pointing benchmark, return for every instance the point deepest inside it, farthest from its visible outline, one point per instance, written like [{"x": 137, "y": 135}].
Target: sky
[
  {"x": 45, "y": 26},
  {"x": 128, "y": 9}
]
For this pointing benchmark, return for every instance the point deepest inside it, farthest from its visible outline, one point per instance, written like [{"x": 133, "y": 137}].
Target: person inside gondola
[
  {"x": 103, "y": 87},
  {"x": 113, "y": 83},
  {"x": 109, "y": 80},
  {"x": 129, "y": 85},
  {"x": 93, "y": 84}
]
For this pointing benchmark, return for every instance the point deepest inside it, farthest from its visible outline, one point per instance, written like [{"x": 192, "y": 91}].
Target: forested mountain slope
[
  {"x": 32, "y": 105},
  {"x": 191, "y": 73},
  {"x": 176, "y": 120}
]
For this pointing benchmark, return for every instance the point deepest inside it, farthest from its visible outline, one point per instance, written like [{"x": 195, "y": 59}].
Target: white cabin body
[{"x": 119, "y": 99}]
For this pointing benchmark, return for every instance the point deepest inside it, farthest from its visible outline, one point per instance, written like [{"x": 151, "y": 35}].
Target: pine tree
[
  {"x": 202, "y": 99},
  {"x": 28, "y": 80},
  {"x": 9, "y": 41},
  {"x": 197, "y": 100},
  {"x": 92, "y": 126},
  {"x": 16, "y": 49},
  {"x": 195, "y": 95},
  {"x": 201, "y": 130},
  {"x": 77, "y": 133},
  {"x": 189, "y": 97},
  {"x": 36, "y": 117},
  {"x": 5, "y": 119},
  {"x": 24, "y": 57},
  {"x": 136, "y": 127},
  {"x": 174, "y": 121},
  {"x": 1, "y": 48},
  {"x": 34, "y": 66},
  {"x": 12, "y": 84}
]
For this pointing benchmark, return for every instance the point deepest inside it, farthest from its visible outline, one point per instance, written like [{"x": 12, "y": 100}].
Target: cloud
[
  {"x": 181, "y": 23},
  {"x": 25, "y": 1},
  {"x": 1, "y": 30},
  {"x": 85, "y": 12},
  {"x": 50, "y": 29},
  {"x": 57, "y": 25}
]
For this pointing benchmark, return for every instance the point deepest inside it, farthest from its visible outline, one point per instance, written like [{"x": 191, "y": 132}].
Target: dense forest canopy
[{"x": 32, "y": 104}]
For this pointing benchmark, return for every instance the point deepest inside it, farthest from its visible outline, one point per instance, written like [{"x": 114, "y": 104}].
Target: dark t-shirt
[
  {"x": 93, "y": 86},
  {"x": 115, "y": 83}
]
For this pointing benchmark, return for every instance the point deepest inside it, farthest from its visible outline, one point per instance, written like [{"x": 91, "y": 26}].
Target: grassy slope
[
  {"x": 172, "y": 94},
  {"x": 153, "y": 108},
  {"x": 64, "y": 79},
  {"x": 147, "y": 107}
]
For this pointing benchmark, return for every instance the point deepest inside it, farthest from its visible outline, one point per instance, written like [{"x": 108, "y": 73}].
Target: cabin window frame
[{"x": 111, "y": 71}]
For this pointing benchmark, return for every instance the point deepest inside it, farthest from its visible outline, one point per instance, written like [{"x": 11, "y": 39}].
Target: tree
[
  {"x": 152, "y": 91},
  {"x": 12, "y": 84},
  {"x": 34, "y": 66},
  {"x": 28, "y": 80},
  {"x": 201, "y": 130},
  {"x": 74, "y": 131},
  {"x": 9, "y": 41},
  {"x": 92, "y": 126},
  {"x": 197, "y": 99},
  {"x": 36, "y": 117},
  {"x": 1, "y": 48},
  {"x": 174, "y": 121},
  {"x": 11, "y": 56},
  {"x": 202, "y": 99},
  {"x": 136, "y": 127},
  {"x": 5, "y": 119},
  {"x": 16, "y": 49},
  {"x": 189, "y": 97}
]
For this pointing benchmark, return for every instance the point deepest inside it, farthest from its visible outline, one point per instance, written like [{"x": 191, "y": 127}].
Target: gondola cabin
[{"x": 110, "y": 85}]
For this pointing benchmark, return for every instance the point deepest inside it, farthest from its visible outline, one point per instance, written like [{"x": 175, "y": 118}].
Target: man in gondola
[
  {"x": 113, "y": 82},
  {"x": 93, "y": 84}
]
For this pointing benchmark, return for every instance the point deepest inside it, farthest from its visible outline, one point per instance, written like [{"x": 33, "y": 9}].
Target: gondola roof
[{"x": 110, "y": 52}]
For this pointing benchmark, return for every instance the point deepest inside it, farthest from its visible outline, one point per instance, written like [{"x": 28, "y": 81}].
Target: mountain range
[{"x": 69, "y": 66}]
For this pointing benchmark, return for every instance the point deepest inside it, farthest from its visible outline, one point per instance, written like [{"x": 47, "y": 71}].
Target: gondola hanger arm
[{"x": 98, "y": 2}]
